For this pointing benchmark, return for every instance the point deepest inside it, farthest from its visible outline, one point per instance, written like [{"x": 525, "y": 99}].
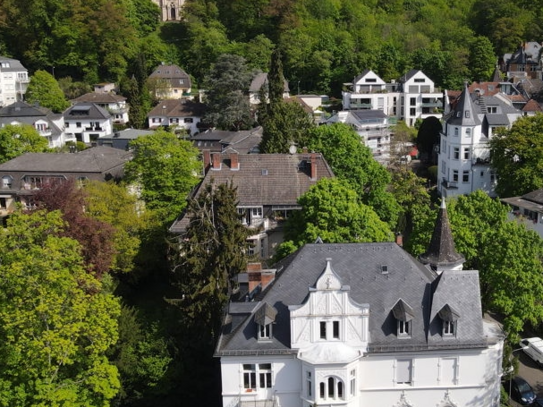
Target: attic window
[
  {"x": 419, "y": 80},
  {"x": 467, "y": 114},
  {"x": 384, "y": 269},
  {"x": 449, "y": 317},
  {"x": 404, "y": 316},
  {"x": 264, "y": 318},
  {"x": 264, "y": 172}
]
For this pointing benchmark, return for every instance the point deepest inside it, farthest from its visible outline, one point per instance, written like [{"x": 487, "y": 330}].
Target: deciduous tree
[
  {"x": 165, "y": 168},
  {"x": 517, "y": 156},
  {"x": 15, "y": 140},
  {"x": 44, "y": 90},
  {"x": 56, "y": 320}
]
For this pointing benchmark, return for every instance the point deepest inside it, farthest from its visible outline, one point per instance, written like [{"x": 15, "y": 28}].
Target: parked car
[
  {"x": 533, "y": 347},
  {"x": 520, "y": 391},
  {"x": 538, "y": 402}
]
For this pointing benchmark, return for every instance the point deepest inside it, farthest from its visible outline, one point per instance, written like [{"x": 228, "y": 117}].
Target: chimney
[
  {"x": 257, "y": 276},
  {"x": 399, "y": 239},
  {"x": 313, "y": 166},
  {"x": 216, "y": 161},
  {"x": 234, "y": 161},
  {"x": 207, "y": 159}
]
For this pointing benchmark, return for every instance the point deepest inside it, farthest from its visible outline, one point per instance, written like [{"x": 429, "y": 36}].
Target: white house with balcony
[
  {"x": 87, "y": 122},
  {"x": 362, "y": 324},
  {"x": 464, "y": 157},
  {"x": 116, "y": 105},
  {"x": 13, "y": 81},
  {"x": 182, "y": 114},
  {"x": 413, "y": 96},
  {"x": 48, "y": 124}
]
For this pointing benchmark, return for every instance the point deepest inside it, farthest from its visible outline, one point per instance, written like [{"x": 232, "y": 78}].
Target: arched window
[
  {"x": 332, "y": 389},
  {"x": 172, "y": 11}
]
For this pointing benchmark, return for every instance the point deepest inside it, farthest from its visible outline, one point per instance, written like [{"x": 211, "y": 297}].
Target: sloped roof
[
  {"x": 464, "y": 113},
  {"x": 100, "y": 97},
  {"x": 357, "y": 265},
  {"x": 92, "y": 160},
  {"x": 262, "y": 78},
  {"x": 264, "y": 179},
  {"x": 21, "y": 109},
  {"x": 532, "y": 106},
  {"x": 14, "y": 65},
  {"x": 86, "y": 110},
  {"x": 177, "y": 108}
]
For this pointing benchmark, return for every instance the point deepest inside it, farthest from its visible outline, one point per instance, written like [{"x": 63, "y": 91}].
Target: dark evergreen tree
[
  {"x": 276, "y": 80},
  {"x": 210, "y": 254}
]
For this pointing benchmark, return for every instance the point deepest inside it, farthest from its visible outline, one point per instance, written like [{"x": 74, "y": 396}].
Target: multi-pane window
[
  {"x": 404, "y": 371},
  {"x": 404, "y": 328},
  {"x": 455, "y": 175},
  {"x": 331, "y": 389},
  {"x": 449, "y": 328},
  {"x": 353, "y": 382},
  {"x": 309, "y": 383},
  {"x": 468, "y": 132},
  {"x": 456, "y": 153},
  {"x": 249, "y": 376},
  {"x": 250, "y": 373},
  {"x": 465, "y": 176},
  {"x": 456, "y": 131},
  {"x": 265, "y": 375},
  {"x": 256, "y": 212},
  {"x": 264, "y": 331},
  {"x": 467, "y": 153}
]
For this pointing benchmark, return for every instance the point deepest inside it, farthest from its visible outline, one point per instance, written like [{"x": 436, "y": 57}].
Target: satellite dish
[{"x": 292, "y": 149}]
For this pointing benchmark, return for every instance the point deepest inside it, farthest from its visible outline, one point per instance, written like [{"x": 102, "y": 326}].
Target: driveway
[{"x": 529, "y": 371}]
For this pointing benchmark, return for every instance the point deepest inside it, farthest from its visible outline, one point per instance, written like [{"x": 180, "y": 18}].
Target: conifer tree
[
  {"x": 210, "y": 254},
  {"x": 276, "y": 80}
]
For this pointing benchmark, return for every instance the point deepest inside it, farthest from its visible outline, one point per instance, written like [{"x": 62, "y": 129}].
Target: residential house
[
  {"x": 13, "y": 81},
  {"x": 524, "y": 62},
  {"x": 87, "y": 122},
  {"x": 179, "y": 113},
  {"x": 268, "y": 188},
  {"x": 527, "y": 209},
  {"x": 244, "y": 141},
  {"x": 170, "y": 10},
  {"x": 362, "y": 324},
  {"x": 48, "y": 124},
  {"x": 258, "y": 82},
  {"x": 121, "y": 139},
  {"x": 463, "y": 159},
  {"x": 23, "y": 175},
  {"x": 412, "y": 97},
  {"x": 114, "y": 104},
  {"x": 169, "y": 82},
  {"x": 374, "y": 128}
]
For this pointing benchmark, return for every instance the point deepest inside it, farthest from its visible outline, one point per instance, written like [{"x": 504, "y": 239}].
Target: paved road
[{"x": 530, "y": 372}]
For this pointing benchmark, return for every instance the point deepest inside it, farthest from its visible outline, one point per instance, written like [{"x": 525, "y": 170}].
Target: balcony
[
  {"x": 431, "y": 103},
  {"x": 96, "y": 128},
  {"x": 360, "y": 105},
  {"x": 45, "y": 132},
  {"x": 117, "y": 110},
  {"x": 449, "y": 184}
]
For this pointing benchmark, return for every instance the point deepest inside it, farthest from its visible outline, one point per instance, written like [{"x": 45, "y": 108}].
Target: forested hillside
[{"x": 324, "y": 43}]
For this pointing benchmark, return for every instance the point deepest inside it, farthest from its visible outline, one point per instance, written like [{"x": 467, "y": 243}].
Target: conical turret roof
[
  {"x": 464, "y": 113},
  {"x": 441, "y": 253}
]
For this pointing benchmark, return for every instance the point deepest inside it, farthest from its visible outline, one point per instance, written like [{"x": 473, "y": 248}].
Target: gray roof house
[
  {"x": 357, "y": 324},
  {"x": 87, "y": 122},
  {"x": 268, "y": 188},
  {"x": 527, "y": 209},
  {"x": 244, "y": 141},
  {"x": 260, "y": 80},
  {"x": 114, "y": 104},
  {"x": 14, "y": 81},
  {"x": 168, "y": 81},
  {"x": 50, "y": 125},
  {"x": 28, "y": 172}
]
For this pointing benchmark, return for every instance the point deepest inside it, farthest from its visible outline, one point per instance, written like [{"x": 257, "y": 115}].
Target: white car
[{"x": 533, "y": 347}]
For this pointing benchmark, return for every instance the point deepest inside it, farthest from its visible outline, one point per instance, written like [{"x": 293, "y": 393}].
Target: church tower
[{"x": 170, "y": 10}]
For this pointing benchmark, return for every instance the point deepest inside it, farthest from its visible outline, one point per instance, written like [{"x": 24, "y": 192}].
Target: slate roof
[
  {"x": 173, "y": 73},
  {"x": 177, "y": 108},
  {"x": 358, "y": 265},
  {"x": 441, "y": 251},
  {"x": 86, "y": 111},
  {"x": 260, "y": 79},
  {"x": 264, "y": 179},
  {"x": 14, "y": 65},
  {"x": 464, "y": 113},
  {"x": 25, "y": 113},
  {"x": 100, "y": 97},
  {"x": 364, "y": 73},
  {"x": 532, "y": 201},
  {"x": 91, "y": 160}
]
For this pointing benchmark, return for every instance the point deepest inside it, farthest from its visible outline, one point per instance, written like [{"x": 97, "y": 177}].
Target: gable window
[
  {"x": 449, "y": 318},
  {"x": 264, "y": 318},
  {"x": 419, "y": 80},
  {"x": 404, "y": 328},
  {"x": 322, "y": 329},
  {"x": 492, "y": 109},
  {"x": 265, "y": 331},
  {"x": 448, "y": 328},
  {"x": 467, "y": 114},
  {"x": 335, "y": 326},
  {"x": 404, "y": 369},
  {"x": 404, "y": 315}
]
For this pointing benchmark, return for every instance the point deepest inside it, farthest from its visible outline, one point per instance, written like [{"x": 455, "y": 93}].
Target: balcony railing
[
  {"x": 360, "y": 105},
  {"x": 449, "y": 184}
]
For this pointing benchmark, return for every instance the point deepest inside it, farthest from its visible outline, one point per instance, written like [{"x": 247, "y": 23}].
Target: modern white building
[
  {"x": 116, "y": 105},
  {"x": 362, "y": 324},
  {"x": 464, "y": 157},
  {"x": 412, "y": 97},
  {"x": 13, "y": 81},
  {"x": 87, "y": 122},
  {"x": 373, "y": 127}
]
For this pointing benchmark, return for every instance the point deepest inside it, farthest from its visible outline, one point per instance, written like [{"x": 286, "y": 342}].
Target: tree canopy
[
  {"x": 44, "y": 90},
  {"x": 517, "y": 156},
  {"x": 57, "y": 322},
  {"x": 507, "y": 256},
  {"x": 15, "y": 140},
  {"x": 165, "y": 168}
]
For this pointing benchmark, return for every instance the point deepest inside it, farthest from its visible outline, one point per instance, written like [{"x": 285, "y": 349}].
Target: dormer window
[
  {"x": 264, "y": 318},
  {"x": 467, "y": 114},
  {"x": 449, "y": 318},
  {"x": 404, "y": 316}
]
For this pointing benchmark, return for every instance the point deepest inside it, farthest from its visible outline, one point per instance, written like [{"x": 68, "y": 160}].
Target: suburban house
[
  {"x": 87, "y": 122},
  {"x": 170, "y": 10},
  {"x": 179, "y": 113},
  {"x": 258, "y": 82},
  {"x": 463, "y": 159},
  {"x": 527, "y": 209},
  {"x": 114, "y": 104},
  {"x": 524, "y": 62},
  {"x": 412, "y": 97},
  {"x": 362, "y": 324},
  {"x": 244, "y": 141},
  {"x": 121, "y": 139},
  {"x": 23, "y": 175},
  {"x": 48, "y": 124},
  {"x": 374, "y": 128},
  {"x": 169, "y": 82},
  {"x": 268, "y": 188},
  {"x": 13, "y": 81}
]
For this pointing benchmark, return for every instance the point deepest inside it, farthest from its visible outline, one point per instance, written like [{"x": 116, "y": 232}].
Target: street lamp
[{"x": 510, "y": 369}]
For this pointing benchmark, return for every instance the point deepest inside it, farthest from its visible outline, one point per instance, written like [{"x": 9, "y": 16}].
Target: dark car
[
  {"x": 538, "y": 402},
  {"x": 520, "y": 391}
]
